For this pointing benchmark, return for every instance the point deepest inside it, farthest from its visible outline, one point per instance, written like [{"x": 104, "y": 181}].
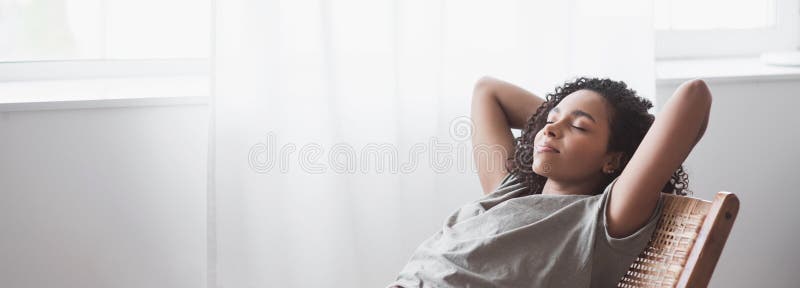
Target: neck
[{"x": 584, "y": 187}]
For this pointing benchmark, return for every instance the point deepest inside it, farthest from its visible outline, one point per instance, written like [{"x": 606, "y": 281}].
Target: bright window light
[
  {"x": 714, "y": 14},
  {"x": 33, "y": 30}
]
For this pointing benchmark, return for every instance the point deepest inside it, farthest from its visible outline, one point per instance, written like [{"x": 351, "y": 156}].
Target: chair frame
[{"x": 687, "y": 243}]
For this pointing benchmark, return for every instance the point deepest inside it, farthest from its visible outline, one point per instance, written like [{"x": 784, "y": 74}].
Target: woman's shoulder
[
  {"x": 511, "y": 179},
  {"x": 510, "y": 183},
  {"x": 631, "y": 243}
]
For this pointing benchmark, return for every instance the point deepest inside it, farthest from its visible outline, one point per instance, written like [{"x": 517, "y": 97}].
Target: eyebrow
[{"x": 578, "y": 113}]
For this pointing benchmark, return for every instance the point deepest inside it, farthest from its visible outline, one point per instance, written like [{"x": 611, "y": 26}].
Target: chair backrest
[{"x": 686, "y": 245}]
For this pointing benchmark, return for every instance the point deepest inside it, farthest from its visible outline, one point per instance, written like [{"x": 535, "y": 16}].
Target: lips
[{"x": 546, "y": 148}]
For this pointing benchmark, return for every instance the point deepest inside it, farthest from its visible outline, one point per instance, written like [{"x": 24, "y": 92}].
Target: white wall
[
  {"x": 111, "y": 197},
  {"x": 751, "y": 148},
  {"x": 115, "y": 197}
]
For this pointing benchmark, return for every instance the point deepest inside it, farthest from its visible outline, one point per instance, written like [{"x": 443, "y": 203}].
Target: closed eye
[{"x": 576, "y": 127}]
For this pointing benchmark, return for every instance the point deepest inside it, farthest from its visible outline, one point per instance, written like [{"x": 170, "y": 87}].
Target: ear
[{"x": 612, "y": 161}]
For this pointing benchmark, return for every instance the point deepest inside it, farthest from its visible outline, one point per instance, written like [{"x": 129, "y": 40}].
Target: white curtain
[{"x": 340, "y": 129}]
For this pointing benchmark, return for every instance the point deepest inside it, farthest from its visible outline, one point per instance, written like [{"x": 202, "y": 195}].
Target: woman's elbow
[
  {"x": 699, "y": 92},
  {"x": 700, "y": 95},
  {"x": 484, "y": 84}
]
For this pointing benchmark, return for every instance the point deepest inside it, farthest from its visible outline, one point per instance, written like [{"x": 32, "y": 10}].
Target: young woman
[{"x": 574, "y": 199}]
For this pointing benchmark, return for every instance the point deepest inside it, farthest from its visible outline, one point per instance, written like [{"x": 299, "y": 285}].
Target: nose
[{"x": 550, "y": 130}]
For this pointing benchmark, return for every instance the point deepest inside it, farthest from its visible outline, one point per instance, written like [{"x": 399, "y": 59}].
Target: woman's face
[{"x": 578, "y": 127}]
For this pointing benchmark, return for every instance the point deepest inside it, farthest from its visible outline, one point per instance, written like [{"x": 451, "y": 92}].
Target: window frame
[
  {"x": 92, "y": 69},
  {"x": 683, "y": 44}
]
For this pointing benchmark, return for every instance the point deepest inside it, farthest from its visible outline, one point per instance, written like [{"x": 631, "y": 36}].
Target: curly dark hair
[{"x": 630, "y": 122}]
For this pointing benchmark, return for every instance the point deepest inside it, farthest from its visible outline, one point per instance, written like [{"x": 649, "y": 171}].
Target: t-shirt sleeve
[
  {"x": 506, "y": 180},
  {"x": 634, "y": 243},
  {"x": 510, "y": 184}
]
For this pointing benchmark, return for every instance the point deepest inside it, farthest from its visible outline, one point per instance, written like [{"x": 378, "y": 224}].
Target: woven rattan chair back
[{"x": 686, "y": 245}]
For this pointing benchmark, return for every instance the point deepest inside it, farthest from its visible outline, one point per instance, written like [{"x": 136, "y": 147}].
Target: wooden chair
[{"x": 686, "y": 244}]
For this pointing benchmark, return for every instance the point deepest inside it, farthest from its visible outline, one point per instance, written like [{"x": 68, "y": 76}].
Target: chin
[
  {"x": 544, "y": 169},
  {"x": 544, "y": 174}
]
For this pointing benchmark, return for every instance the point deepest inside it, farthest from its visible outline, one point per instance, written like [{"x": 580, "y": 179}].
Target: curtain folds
[{"x": 341, "y": 127}]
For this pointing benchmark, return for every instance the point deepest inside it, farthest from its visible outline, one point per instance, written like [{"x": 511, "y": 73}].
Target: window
[
  {"x": 707, "y": 28},
  {"x": 103, "y": 38}
]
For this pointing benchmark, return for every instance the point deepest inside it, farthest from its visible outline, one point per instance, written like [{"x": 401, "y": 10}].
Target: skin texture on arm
[
  {"x": 673, "y": 135},
  {"x": 497, "y": 106}
]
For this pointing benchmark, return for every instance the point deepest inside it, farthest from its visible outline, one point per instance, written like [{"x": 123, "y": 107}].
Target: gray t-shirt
[{"x": 508, "y": 240}]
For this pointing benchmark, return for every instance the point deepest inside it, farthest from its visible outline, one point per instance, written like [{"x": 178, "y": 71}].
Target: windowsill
[
  {"x": 722, "y": 70},
  {"x": 103, "y": 93}
]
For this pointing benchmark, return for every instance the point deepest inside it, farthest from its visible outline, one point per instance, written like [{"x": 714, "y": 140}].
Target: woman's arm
[
  {"x": 497, "y": 106},
  {"x": 676, "y": 130},
  {"x": 517, "y": 104}
]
